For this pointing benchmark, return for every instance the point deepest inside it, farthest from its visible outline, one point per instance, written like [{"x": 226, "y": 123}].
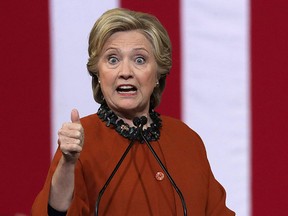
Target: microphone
[
  {"x": 139, "y": 123},
  {"x": 143, "y": 121}
]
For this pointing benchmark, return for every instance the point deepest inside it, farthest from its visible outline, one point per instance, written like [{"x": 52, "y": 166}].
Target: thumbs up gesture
[{"x": 71, "y": 138}]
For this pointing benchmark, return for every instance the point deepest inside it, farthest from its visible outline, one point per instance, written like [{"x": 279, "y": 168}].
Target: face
[{"x": 127, "y": 73}]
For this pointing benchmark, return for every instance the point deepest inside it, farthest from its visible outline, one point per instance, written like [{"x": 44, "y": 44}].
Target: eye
[
  {"x": 140, "y": 60},
  {"x": 113, "y": 60}
]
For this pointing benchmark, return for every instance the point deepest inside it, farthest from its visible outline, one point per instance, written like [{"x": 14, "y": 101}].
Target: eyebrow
[{"x": 134, "y": 49}]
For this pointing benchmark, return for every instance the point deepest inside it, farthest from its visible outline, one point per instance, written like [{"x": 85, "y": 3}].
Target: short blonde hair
[{"x": 120, "y": 19}]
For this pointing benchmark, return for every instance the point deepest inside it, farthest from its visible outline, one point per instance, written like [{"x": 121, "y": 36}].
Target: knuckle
[
  {"x": 60, "y": 131},
  {"x": 78, "y": 142},
  {"x": 77, "y": 134}
]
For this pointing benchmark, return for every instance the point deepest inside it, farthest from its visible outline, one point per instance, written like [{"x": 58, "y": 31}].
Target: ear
[{"x": 157, "y": 83}]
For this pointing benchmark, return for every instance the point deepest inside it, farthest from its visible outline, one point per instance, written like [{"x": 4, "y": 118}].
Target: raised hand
[{"x": 71, "y": 138}]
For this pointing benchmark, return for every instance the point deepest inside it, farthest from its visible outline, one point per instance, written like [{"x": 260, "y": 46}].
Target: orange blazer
[{"x": 135, "y": 188}]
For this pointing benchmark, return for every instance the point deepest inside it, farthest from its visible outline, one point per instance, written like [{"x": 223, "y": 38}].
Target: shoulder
[
  {"x": 95, "y": 130},
  {"x": 178, "y": 132},
  {"x": 172, "y": 121},
  {"x": 89, "y": 119},
  {"x": 91, "y": 122},
  {"x": 177, "y": 126}
]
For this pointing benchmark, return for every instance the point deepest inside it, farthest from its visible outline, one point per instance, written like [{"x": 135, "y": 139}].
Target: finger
[
  {"x": 71, "y": 132},
  {"x": 66, "y": 141},
  {"x": 75, "y": 118},
  {"x": 72, "y": 126}
]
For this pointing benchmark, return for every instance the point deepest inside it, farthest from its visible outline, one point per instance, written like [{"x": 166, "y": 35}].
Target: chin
[
  {"x": 135, "y": 108},
  {"x": 127, "y": 107}
]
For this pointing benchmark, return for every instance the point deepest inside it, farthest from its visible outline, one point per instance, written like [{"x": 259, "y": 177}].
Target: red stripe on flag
[
  {"x": 25, "y": 108},
  {"x": 269, "y": 53},
  {"x": 168, "y": 14}
]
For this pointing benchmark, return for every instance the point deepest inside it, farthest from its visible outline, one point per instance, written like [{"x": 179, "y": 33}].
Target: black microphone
[
  {"x": 139, "y": 123},
  {"x": 143, "y": 121}
]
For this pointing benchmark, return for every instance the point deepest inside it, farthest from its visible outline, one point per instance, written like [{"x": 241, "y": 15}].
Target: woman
[{"x": 129, "y": 59}]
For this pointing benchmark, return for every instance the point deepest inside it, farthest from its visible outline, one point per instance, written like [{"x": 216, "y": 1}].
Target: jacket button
[{"x": 159, "y": 176}]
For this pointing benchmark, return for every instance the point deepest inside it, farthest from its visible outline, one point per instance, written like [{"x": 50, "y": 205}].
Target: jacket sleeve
[
  {"x": 216, "y": 205},
  {"x": 79, "y": 205},
  {"x": 211, "y": 196},
  {"x": 216, "y": 197}
]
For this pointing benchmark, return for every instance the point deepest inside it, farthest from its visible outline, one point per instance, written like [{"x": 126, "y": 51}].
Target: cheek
[
  {"x": 106, "y": 77},
  {"x": 105, "y": 83},
  {"x": 154, "y": 78},
  {"x": 150, "y": 81}
]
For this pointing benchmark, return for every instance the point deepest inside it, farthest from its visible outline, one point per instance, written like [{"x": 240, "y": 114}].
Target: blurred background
[{"x": 228, "y": 83}]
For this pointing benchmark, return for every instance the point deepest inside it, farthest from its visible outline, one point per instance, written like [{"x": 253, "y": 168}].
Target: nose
[{"x": 126, "y": 70}]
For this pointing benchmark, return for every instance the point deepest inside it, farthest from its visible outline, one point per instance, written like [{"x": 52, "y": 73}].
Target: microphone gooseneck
[
  {"x": 164, "y": 169},
  {"x": 111, "y": 176},
  {"x": 139, "y": 123}
]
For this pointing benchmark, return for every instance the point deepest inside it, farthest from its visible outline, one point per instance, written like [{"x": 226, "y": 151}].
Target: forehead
[{"x": 128, "y": 39}]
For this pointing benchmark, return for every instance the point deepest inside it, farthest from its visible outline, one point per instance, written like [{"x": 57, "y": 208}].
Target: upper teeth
[{"x": 125, "y": 87}]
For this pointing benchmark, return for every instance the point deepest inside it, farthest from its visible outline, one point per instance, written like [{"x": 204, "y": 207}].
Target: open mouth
[{"x": 126, "y": 89}]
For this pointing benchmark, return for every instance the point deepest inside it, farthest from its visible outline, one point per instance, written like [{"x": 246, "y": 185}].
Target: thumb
[{"x": 75, "y": 118}]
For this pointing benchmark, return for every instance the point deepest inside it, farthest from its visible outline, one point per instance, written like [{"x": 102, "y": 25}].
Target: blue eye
[
  {"x": 112, "y": 60},
  {"x": 140, "y": 60}
]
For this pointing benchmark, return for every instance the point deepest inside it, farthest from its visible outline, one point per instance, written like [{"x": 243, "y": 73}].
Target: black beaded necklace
[{"x": 151, "y": 133}]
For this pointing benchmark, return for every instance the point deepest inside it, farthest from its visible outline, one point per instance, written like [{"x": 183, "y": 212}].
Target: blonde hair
[{"x": 120, "y": 19}]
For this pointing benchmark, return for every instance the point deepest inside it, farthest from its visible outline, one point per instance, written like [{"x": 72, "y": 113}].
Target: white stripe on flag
[
  {"x": 71, "y": 22},
  {"x": 215, "y": 90}
]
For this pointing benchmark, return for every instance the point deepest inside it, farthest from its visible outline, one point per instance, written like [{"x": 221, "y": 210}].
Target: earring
[
  {"x": 99, "y": 81},
  {"x": 157, "y": 83}
]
